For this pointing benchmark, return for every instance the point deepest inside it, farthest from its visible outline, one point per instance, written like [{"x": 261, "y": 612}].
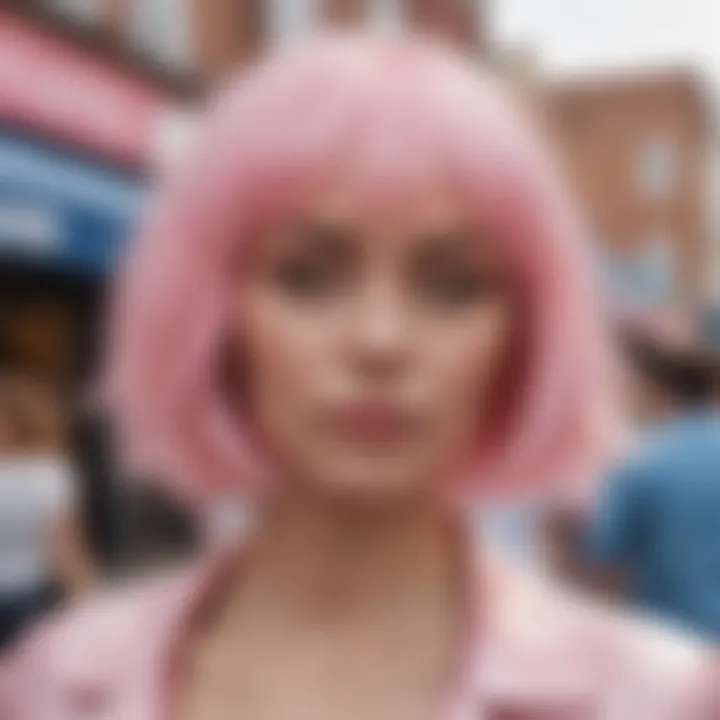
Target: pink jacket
[{"x": 541, "y": 656}]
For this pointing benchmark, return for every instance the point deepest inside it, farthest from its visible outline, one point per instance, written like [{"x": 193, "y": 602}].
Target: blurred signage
[
  {"x": 25, "y": 225},
  {"x": 70, "y": 94},
  {"x": 62, "y": 212}
]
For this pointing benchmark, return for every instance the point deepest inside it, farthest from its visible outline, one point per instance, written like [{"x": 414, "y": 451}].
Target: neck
[{"x": 318, "y": 558}]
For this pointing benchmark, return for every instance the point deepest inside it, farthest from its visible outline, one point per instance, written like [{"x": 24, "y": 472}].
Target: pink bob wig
[{"x": 397, "y": 110}]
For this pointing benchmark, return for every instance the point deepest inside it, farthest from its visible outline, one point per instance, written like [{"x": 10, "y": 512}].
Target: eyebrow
[
  {"x": 333, "y": 235},
  {"x": 463, "y": 246},
  {"x": 451, "y": 237},
  {"x": 438, "y": 244}
]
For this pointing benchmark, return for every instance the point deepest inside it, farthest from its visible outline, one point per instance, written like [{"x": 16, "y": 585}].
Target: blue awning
[{"x": 63, "y": 212}]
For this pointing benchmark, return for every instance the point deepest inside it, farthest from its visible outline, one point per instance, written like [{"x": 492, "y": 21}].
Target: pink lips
[{"x": 373, "y": 422}]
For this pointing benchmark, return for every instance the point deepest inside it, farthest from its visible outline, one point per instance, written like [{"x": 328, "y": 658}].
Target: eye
[
  {"x": 316, "y": 261},
  {"x": 450, "y": 272},
  {"x": 455, "y": 286},
  {"x": 308, "y": 277}
]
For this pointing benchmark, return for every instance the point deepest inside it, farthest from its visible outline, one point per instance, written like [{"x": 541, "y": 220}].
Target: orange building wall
[{"x": 602, "y": 126}]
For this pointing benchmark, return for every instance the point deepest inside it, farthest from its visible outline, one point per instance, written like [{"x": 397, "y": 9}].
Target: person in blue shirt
[{"x": 655, "y": 531}]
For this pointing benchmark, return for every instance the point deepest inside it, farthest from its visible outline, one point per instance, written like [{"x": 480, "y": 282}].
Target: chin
[{"x": 373, "y": 483}]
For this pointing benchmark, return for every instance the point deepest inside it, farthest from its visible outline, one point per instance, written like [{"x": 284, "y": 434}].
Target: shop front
[
  {"x": 78, "y": 137},
  {"x": 63, "y": 222}
]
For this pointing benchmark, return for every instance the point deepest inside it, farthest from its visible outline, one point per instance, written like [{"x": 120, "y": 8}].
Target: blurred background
[{"x": 97, "y": 97}]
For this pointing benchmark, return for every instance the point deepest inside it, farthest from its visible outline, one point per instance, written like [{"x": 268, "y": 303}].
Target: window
[
  {"x": 82, "y": 11},
  {"x": 160, "y": 29},
  {"x": 710, "y": 325},
  {"x": 388, "y": 14},
  {"x": 657, "y": 168},
  {"x": 657, "y": 260},
  {"x": 289, "y": 19},
  {"x": 646, "y": 276}
]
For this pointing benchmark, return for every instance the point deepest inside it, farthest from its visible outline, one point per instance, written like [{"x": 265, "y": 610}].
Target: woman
[
  {"x": 361, "y": 305},
  {"x": 42, "y": 555}
]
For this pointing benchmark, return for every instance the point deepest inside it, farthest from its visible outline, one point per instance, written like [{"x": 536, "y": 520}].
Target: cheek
[
  {"x": 283, "y": 356},
  {"x": 468, "y": 358}
]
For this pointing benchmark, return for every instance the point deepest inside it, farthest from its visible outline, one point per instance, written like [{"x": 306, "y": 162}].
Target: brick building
[
  {"x": 222, "y": 34},
  {"x": 638, "y": 150},
  {"x": 463, "y": 22}
]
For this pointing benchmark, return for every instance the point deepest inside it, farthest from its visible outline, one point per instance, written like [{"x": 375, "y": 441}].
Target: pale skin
[{"x": 370, "y": 343}]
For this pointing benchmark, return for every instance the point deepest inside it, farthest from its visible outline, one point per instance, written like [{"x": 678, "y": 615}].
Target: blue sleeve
[{"x": 616, "y": 527}]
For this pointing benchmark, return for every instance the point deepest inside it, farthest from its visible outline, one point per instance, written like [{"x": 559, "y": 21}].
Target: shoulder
[
  {"x": 87, "y": 652},
  {"x": 575, "y": 647},
  {"x": 644, "y": 468},
  {"x": 664, "y": 671},
  {"x": 678, "y": 436},
  {"x": 659, "y": 670}
]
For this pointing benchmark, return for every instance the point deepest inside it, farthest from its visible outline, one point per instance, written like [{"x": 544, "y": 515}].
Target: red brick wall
[
  {"x": 345, "y": 12},
  {"x": 225, "y": 34},
  {"x": 456, "y": 20},
  {"x": 601, "y": 127}
]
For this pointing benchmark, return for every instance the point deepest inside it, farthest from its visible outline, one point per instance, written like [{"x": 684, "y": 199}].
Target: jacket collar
[
  {"x": 527, "y": 661},
  {"x": 520, "y": 660}
]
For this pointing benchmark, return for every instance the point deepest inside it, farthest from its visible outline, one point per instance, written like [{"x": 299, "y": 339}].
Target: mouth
[{"x": 373, "y": 422}]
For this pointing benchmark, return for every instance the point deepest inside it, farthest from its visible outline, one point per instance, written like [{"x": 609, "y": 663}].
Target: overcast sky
[
  {"x": 572, "y": 34},
  {"x": 567, "y": 34}
]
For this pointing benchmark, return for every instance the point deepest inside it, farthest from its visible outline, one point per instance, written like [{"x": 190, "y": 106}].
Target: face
[{"x": 370, "y": 342}]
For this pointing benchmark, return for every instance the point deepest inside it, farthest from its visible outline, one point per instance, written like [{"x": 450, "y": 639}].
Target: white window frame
[{"x": 657, "y": 169}]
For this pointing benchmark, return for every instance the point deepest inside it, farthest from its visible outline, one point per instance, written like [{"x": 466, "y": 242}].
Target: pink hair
[{"x": 398, "y": 110}]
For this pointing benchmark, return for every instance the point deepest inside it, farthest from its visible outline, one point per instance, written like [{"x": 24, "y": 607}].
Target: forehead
[{"x": 383, "y": 204}]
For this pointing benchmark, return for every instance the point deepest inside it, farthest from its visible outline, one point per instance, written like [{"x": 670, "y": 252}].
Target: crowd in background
[
  {"x": 44, "y": 557},
  {"x": 650, "y": 539}
]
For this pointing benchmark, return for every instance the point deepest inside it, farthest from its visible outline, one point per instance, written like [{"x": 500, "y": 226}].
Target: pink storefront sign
[{"x": 71, "y": 94}]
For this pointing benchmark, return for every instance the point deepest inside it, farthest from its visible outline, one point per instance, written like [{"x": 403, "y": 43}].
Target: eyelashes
[
  {"x": 457, "y": 287},
  {"x": 317, "y": 261},
  {"x": 319, "y": 278},
  {"x": 308, "y": 278}
]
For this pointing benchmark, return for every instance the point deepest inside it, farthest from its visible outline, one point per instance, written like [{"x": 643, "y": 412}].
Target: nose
[{"x": 379, "y": 331}]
